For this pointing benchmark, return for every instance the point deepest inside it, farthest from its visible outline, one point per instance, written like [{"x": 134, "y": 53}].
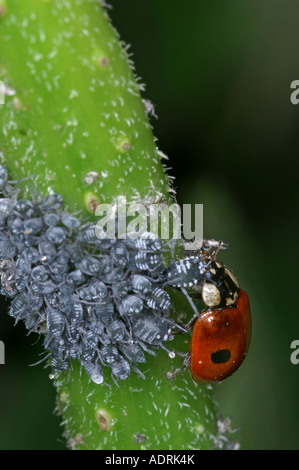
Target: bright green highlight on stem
[
  {"x": 73, "y": 117},
  {"x": 74, "y": 104}
]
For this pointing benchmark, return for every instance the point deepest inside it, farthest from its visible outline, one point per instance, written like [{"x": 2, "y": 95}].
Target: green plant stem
[{"x": 73, "y": 106}]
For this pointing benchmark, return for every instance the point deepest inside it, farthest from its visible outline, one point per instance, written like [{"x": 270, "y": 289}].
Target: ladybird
[{"x": 220, "y": 338}]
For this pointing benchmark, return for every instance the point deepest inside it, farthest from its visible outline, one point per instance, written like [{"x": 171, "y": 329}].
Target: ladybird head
[{"x": 220, "y": 287}]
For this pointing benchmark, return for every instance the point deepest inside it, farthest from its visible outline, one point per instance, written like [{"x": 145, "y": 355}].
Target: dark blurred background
[{"x": 219, "y": 74}]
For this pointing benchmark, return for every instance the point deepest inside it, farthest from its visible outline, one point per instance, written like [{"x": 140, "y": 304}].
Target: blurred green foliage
[{"x": 219, "y": 74}]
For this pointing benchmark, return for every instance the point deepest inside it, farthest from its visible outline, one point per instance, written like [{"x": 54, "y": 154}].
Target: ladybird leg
[{"x": 196, "y": 312}]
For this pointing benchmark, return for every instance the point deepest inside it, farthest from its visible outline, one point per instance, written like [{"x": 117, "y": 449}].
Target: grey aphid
[
  {"x": 89, "y": 265},
  {"x": 109, "y": 353},
  {"x": 91, "y": 338},
  {"x": 7, "y": 249},
  {"x": 33, "y": 226},
  {"x": 145, "y": 261},
  {"x": 131, "y": 305},
  {"x": 47, "y": 251},
  {"x": 19, "y": 306},
  {"x": 87, "y": 353},
  {"x": 39, "y": 273},
  {"x": 51, "y": 219},
  {"x": 22, "y": 206},
  {"x": 30, "y": 254},
  {"x": 62, "y": 257},
  {"x": 95, "y": 372},
  {"x": 120, "y": 290},
  {"x": 141, "y": 284},
  {"x": 148, "y": 241},
  {"x": 75, "y": 252},
  {"x": 120, "y": 255},
  {"x": 15, "y": 224},
  {"x": 185, "y": 272},
  {"x": 75, "y": 278},
  {"x": 45, "y": 287},
  {"x": 159, "y": 300},
  {"x": 56, "y": 235},
  {"x": 70, "y": 221},
  {"x": 73, "y": 308},
  {"x": 94, "y": 291},
  {"x": 132, "y": 352},
  {"x": 58, "y": 269},
  {"x": 111, "y": 276},
  {"x": 59, "y": 364},
  {"x": 116, "y": 331},
  {"x": 121, "y": 369},
  {"x": 6, "y": 206},
  {"x": 150, "y": 328},
  {"x": 87, "y": 234},
  {"x": 55, "y": 322},
  {"x": 51, "y": 201},
  {"x": 105, "y": 312}
]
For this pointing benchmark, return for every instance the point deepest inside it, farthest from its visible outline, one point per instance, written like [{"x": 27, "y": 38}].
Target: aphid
[
  {"x": 120, "y": 290},
  {"x": 145, "y": 261},
  {"x": 105, "y": 312},
  {"x": 94, "y": 371},
  {"x": 87, "y": 353},
  {"x": 56, "y": 235},
  {"x": 22, "y": 206},
  {"x": 148, "y": 241},
  {"x": 33, "y": 226},
  {"x": 39, "y": 273},
  {"x": 159, "y": 300},
  {"x": 55, "y": 322},
  {"x": 112, "y": 276},
  {"x": 73, "y": 308},
  {"x": 95, "y": 291},
  {"x": 75, "y": 252},
  {"x": 89, "y": 265},
  {"x": 6, "y": 206},
  {"x": 7, "y": 249},
  {"x": 70, "y": 221},
  {"x": 87, "y": 234},
  {"x": 18, "y": 306},
  {"x": 132, "y": 351},
  {"x": 151, "y": 329},
  {"x": 59, "y": 364},
  {"x": 47, "y": 251},
  {"x": 52, "y": 201},
  {"x": 75, "y": 278},
  {"x": 109, "y": 353},
  {"x": 120, "y": 255},
  {"x": 62, "y": 257},
  {"x": 51, "y": 219},
  {"x": 116, "y": 331},
  {"x": 91, "y": 339},
  {"x": 131, "y": 305},
  {"x": 45, "y": 287},
  {"x": 121, "y": 369},
  {"x": 15, "y": 224},
  {"x": 141, "y": 284},
  {"x": 186, "y": 272},
  {"x": 30, "y": 254}
]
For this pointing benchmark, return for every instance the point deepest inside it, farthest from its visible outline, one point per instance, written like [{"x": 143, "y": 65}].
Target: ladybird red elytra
[{"x": 220, "y": 340}]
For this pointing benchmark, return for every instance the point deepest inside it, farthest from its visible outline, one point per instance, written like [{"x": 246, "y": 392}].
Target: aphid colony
[{"x": 102, "y": 302}]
